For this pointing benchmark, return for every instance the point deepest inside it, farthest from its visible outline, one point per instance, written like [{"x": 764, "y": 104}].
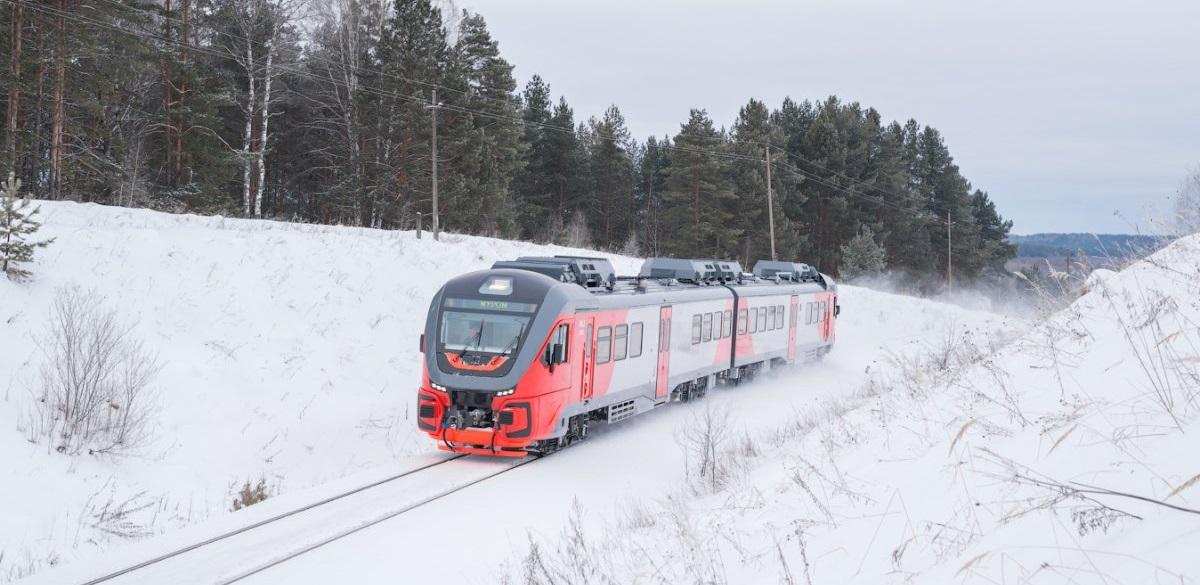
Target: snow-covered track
[{"x": 234, "y": 555}]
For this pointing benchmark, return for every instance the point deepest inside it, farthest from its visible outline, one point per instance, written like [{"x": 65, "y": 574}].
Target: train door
[
  {"x": 792, "y": 323},
  {"x": 663, "y": 372},
  {"x": 588, "y": 363},
  {"x": 826, "y": 318}
]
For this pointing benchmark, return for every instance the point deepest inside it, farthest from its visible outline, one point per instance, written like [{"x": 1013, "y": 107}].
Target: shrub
[
  {"x": 250, "y": 495},
  {"x": 95, "y": 393}
]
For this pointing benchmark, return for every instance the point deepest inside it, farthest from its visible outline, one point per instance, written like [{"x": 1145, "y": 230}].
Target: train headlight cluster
[
  {"x": 508, "y": 392},
  {"x": 438, "y": 387}
]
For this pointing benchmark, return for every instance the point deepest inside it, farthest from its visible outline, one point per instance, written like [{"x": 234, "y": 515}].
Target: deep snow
[
  {"x": 290, "y": 353},
  {"x": 1065, "y": 453}
]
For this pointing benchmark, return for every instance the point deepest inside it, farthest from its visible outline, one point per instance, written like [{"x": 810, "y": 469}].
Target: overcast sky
[{"x": 1075, "y": 115}]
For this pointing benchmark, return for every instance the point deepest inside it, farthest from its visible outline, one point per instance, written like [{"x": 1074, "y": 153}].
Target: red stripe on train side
[
  {"x": 745, "y": 341},
  {"x": 603, "y": 373}
]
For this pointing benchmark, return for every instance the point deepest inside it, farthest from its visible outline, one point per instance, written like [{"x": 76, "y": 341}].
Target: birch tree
[{"x": 260, "y": 25}]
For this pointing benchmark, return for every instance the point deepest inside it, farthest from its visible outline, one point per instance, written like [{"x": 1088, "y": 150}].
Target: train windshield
[{"x": 484, "y": 326}]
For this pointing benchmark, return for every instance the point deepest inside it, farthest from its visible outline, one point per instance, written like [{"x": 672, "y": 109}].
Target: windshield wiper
[
  {"x": 511, "y": 345},
  {"x": 478, "y": 339}
]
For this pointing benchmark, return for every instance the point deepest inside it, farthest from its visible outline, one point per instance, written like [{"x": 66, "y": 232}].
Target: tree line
[{"x": 323, "y": 111}]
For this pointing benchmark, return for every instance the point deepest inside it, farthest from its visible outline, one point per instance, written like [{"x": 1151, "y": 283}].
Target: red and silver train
[{"x": 520, "y": 359}]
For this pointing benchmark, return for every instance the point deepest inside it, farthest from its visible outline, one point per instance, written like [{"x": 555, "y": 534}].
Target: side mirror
[
  {"x": 422, "y": 346},
  {"x": 837, "y": 310},
  {"x": 554, "y": 355}
]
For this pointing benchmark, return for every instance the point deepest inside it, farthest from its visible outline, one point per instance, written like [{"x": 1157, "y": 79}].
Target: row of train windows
[
  {"x": 617, "y": 343},
  {"x": 816, "y": 313},
  {"x": 718, "y": 325}
]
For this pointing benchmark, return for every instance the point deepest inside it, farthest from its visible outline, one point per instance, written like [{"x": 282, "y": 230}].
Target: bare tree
[
  {"x": 95, "y": 392},
  {"x": 260, "y": 25},
  {"x": 1187, "y": 204}
]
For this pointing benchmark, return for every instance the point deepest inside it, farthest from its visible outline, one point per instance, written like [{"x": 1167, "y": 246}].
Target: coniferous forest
[{"x": 324, "y": 111}]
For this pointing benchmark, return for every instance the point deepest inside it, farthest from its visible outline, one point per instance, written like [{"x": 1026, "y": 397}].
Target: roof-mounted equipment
[
  {"x": 691, "y": 270},
  {"x": 585, "y": 271},
  {"x": 789, "y": 271}
]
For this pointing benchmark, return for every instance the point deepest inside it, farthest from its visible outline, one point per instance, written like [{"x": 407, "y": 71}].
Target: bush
[
  {"x": 95, "y": 393},
  {"x": 250, "y": 495}
]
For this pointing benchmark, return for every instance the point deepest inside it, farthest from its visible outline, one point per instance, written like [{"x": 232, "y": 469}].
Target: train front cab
[{"x": 478, "y": 395}]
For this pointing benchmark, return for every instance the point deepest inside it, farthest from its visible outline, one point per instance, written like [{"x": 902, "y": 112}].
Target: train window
[
  {"x": 742, "y": 322},
  {"x": 635, "y": 339},
  {"x": 753, "y": 321},
  {"x": 821, "y": 313},
  {"x": 696, "y": 328},
  {"x": 587, "y": 343},
  {"x": 762, "y": 318},
  {"x": 771, "y": 317},
  {"x": 562, "y": 337},
  {"x": 727, "y": 324},
  {"x": 779, "y": 316},
  {"x": 603, "y": 345},
  {"x": 708, "y": 317},
  {"x": 718, "y": 324},
  {"x": 812, "y": 313},
  {"x": 620, "y": 342}
]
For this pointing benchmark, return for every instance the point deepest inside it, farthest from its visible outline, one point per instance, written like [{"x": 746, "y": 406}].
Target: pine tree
[
  {"x": 565, "y": 170},
  {"x": 862, "y": 256},
  {"x": 17, "y": 224},
  {"x": 752, "y": 133},
  {"x": 494, "y": 147},
  {"x": 652, "y": 180},
  {"x": 612, "y": 179},
  {"x": 532, "y": 183},
  {"x": 696, "y": 219}
]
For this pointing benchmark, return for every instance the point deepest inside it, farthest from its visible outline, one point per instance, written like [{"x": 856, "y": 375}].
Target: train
[{"x": 521, "y": 359}]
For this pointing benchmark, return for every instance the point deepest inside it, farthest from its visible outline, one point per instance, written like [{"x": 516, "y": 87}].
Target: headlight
[
  {"x": 506, "y": 392},
  {"x": 438, "y": 387}
]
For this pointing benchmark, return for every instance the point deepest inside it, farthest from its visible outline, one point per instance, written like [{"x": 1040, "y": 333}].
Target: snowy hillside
[
  {"x": 1065, "y": 455},
  {"x": 289, "y": 353}
]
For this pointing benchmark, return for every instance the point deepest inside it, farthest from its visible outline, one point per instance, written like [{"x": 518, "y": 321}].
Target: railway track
[{"x": 235, "y": 555}]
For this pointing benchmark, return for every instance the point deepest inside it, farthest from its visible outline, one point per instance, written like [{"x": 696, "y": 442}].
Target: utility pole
[
  {"x": 770, "y": 203},
  {"x": 949, "y": 255},
  {"x": 433, "y": 105}
]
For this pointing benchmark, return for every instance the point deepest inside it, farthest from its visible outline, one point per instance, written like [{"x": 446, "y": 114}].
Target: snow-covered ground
[
  {"x": 1064, "y": 453},
  {"x": 289, "y": 353},
  {"x": 935, "y": 443}
]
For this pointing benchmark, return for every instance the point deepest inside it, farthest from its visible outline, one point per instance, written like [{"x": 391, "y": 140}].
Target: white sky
[{"x": 1075, "y": 115}]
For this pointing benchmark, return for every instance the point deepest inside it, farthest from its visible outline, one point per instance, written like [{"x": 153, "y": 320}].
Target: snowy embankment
[
  {"x": 1065, "y": 454},
  {"x": 288, "y": 352}
]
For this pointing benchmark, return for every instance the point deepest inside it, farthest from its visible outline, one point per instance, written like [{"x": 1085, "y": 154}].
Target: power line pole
[
  {"x": 770, "y": 203},
  {"x": 433, "y": 105},
  {"x": 949, "y": 255}
]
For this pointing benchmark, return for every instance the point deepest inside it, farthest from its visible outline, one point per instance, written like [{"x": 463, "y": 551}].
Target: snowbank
[
  {"x": 1065, "y": 455},
  {"x": 289, "y": 353}
]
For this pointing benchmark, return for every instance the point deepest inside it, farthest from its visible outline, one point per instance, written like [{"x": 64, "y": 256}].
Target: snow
[
  {"x": 289, "y": 352},
  {"x": 935, "y": 444}
]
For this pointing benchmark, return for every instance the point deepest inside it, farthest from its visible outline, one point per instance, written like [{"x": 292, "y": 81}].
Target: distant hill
[{"x": 1101, "y": 245}]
